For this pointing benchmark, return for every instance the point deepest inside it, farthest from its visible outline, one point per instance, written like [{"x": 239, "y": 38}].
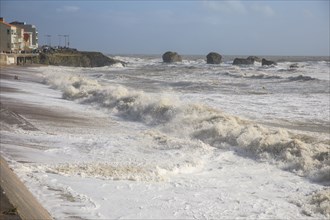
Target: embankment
[
  {"x": 76, "y": 59},
  {"x": 25, "y": 203}
]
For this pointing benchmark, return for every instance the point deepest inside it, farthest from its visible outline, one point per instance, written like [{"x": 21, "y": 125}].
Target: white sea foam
[
  {"x": 132, "y": 172},
  {"x": 321, "y": 202},
  {"x": 176, "y": 141},
  {"x": 203, "y": 123}
]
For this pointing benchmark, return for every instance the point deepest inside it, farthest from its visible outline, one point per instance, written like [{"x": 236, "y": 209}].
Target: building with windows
[
  {"x": 5, "y": 37},
  {"x": 8, "y": 37},
  {"x": 17, "y": 36},
  {"x": 30, "y": 34}
]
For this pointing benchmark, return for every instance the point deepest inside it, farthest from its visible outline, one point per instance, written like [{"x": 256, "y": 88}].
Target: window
[{"x": 8, "y": 31}]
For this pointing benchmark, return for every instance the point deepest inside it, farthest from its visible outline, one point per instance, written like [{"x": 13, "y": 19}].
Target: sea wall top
[{"x": 75, "y": 58}]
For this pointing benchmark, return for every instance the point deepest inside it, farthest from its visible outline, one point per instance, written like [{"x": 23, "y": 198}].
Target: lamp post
[
  {"x": 67, "y": 36},
  {"x": 59, "y": 40},
  {"x": 49, "y": 39},
  {"x": 60, "y": 35}
]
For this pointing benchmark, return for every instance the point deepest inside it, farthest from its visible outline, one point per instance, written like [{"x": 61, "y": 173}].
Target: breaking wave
[
  {"x": 132, "y": 105},
  {"x": 291, "y": 152},
  {"x": 301, "y": 78},
  {"x": 321, "y": 202},
  {"x": 317, "y": 202},
  {"x": 267, "y": 76},
  {"x": 300, "y": 154},
  {"x": 252, "y": 76}
]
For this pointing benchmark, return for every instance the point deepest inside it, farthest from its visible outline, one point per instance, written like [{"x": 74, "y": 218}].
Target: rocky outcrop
[
  {"x": 213, "y": 58},
  {"x": 255, "y": 58},
  {"x": 293, "y": 66},
  {"x": 265, "y": 62},
  {"x": 170, "y": 57},
  {"x": 77, "y": 59},
  {"x": 243, "y": 61}
]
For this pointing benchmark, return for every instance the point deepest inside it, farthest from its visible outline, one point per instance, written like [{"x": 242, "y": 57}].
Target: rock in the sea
[
  {"x": 170, "y": 57},
  {"x": 255, "y": 58},
  {"x": 242, "y": 61},
  {"x": 293, "y": 66},
  {"x": 213, "y": 58},
  {"x": 265, "y": 62}
]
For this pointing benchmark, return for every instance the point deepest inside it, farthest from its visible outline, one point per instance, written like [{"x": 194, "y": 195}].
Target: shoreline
[
  {"x": 43, "y": 112},
  {"x": 29, "y": 117},
  {"x": 17, "y": 202},
  {"x": 190, "y": 57}
]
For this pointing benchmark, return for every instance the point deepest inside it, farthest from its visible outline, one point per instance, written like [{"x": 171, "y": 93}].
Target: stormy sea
[{"x": 188, "y": 140}]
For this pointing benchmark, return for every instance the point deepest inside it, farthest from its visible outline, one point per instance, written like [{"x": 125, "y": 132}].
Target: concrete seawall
[
  {"x": 60, "y": 58},
  {"x": 19, "y": 196},
  {"x": 19, "y": 59}
]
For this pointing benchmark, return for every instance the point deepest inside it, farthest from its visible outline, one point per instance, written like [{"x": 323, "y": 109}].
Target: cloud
[
  {"x": 236, "y": 7},
  {"x": 263, "y": 9},
  {"x": 69, "y": 9}
]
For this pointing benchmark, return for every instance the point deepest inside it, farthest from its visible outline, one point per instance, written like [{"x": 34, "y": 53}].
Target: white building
[
  {"x": 5, "y": 36},
  {"x": 17, "y": 36},
  {"x": 11, "y": 37},
  {"x": 30, "y": 34}
]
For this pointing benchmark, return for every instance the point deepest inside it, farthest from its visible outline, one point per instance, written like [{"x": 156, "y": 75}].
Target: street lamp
[
  {"x": 49, "y": 39},
  {"x": 67, "y": 36},
  {"x": 59, "y": 40}
]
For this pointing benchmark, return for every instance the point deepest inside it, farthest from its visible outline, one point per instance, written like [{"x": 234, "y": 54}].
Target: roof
[
  {"x": 5, "y": 23},
  {"x": 18, "y": 23}
]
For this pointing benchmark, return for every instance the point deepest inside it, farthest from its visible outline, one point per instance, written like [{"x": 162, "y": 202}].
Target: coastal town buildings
[
  {"x": 17, "y": 36},
  {"x": 30, "y": 34},
  {"x": 8, "y": 35}
]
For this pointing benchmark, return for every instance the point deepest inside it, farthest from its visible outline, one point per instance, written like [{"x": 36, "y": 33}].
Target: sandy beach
[
  {"x": 89, "y": 146},
  {"x": 173, "y": 110},
  {"x": 18, "y": 202}
]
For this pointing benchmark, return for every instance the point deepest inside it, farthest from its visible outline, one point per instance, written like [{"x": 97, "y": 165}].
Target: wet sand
[
  {"x": 20, "y": 114},
  {"x": 17, "y": 202},
  {"x": 58, "y": 117}
]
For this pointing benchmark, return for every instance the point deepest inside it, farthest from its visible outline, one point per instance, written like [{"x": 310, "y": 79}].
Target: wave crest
[
  {"x": 202, "y": 123},
  {"x": 289, "y": 151}
]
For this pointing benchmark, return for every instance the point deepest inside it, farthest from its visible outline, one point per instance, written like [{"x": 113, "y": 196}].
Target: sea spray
[
  {"x": 207, "y": 157},
  {"x": 200, "y": 122},
  {"x": 273, "y": 144}
]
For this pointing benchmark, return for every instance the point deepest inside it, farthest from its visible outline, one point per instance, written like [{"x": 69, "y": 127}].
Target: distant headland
[
  {"x": 73, "y": 57},
  {"x": 19, "y": 45}
]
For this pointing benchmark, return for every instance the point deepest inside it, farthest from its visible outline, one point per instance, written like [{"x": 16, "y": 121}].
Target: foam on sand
[
  {"x": 108, "y": 171},
  {"x": 155, "y": 153},
  {"x": 299, "y": 154}
]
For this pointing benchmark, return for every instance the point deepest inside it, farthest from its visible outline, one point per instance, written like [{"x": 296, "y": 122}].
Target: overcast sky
[{"x": 188, "y": 27}]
